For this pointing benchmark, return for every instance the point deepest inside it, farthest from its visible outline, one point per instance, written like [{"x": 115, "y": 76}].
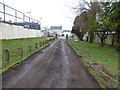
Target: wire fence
[{"x": 13, "y": 16}]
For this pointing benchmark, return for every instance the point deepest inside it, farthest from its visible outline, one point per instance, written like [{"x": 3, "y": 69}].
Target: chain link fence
[{"x": 12, "y": 16}]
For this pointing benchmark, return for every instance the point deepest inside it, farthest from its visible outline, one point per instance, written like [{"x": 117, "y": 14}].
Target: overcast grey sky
[{"x": 52, "y": 12}]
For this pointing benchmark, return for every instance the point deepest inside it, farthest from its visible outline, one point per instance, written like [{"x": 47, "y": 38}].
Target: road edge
[{"x": 88, "y": 70}]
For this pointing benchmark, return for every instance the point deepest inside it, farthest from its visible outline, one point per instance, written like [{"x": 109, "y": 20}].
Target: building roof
[
  {"x": 56, "y": 27},
  {"x": 66, "y": 31}
]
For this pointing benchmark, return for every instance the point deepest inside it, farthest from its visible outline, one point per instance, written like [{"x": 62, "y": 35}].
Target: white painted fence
[{"x": 8, "y": 31}]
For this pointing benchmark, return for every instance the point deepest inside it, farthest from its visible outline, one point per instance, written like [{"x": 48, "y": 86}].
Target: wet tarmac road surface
[{"x": 56, "y": 66}]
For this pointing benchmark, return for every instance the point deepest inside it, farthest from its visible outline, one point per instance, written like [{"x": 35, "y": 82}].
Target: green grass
[
  {"x": 13, "y": 45},
  {"x": 107, "y": 55}
]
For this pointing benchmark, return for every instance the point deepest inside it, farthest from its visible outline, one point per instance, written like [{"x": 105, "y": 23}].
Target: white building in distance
[
  {"x": 66, "y": 32},
  {"x": 55, "y": 30}
]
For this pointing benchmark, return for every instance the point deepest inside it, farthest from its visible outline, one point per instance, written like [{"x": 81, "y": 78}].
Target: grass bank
[
  {"x": 106, "y": 57},
  {"x": 13, "y": 45}
]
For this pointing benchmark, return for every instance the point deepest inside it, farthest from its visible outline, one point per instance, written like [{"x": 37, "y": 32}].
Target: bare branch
[{"x": 98, "y": 34}]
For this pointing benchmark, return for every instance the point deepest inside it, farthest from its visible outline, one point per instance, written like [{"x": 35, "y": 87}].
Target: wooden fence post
[
  {"x": 36, "y": 45},
  {"x": 29, "y": 49},
  {"x": 20, "y": 52},
  {"x": 40, "y": 44},
  {"x": 43, "y": 43},
  {"x": 5, "y": 56}
]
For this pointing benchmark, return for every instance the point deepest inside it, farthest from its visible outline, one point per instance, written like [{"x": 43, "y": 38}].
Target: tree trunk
[
  {"x": 118, "y": 43},
  {"x": 113, "y": 37},
  {"x": 102, "y": 42},
  {"x": 91, "y": 40},
  {"x": 81, "y": 38}
]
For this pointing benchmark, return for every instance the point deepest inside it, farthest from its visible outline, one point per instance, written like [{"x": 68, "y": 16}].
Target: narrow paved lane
[{"x": 56, "y": 66}]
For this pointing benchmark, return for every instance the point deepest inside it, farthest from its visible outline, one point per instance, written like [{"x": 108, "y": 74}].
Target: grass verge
[
  {"x": 106, "y": 56},
  {"x": 13, "y": 45}
]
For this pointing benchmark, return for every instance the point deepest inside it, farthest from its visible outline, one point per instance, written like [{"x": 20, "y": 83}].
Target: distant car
[{"x": 75, "y": 40}]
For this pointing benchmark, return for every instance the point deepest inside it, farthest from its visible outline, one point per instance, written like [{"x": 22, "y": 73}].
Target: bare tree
[
  {"x": 88, "y": 11},
  {"x": 81, "y": 25}
]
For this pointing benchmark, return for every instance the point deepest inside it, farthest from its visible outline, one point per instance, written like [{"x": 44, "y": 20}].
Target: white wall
[
  {"x": 58, "y": 31},
  {"x": 8, "y": 31},
  {"x": 66, "y": 33},
  {"x": 108, "y": 40}
]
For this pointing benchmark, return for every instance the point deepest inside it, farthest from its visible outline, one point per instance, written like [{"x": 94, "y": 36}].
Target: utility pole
[
  {"x": 4, "y": 8},
  {"x": 3, "y": 2},
  {"x": 40, "y": 23},
  {"x": 29, "y": 12}
]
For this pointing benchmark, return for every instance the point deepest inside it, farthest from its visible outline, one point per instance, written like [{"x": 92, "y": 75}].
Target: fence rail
[{"x": 13, "y": 16}]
